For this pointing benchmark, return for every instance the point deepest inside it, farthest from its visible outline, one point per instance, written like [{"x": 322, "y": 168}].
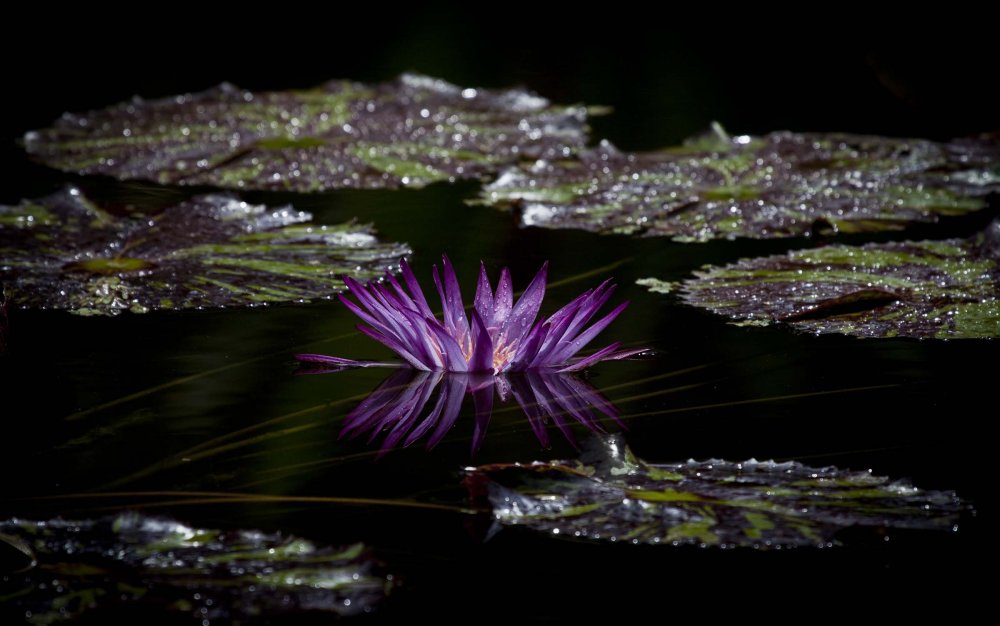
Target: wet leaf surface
[
  {"x": 65, "y": 252},
  {"x": 161, "y": 566},
  {"x": 947, "y": 289},
  {"x": 408, "y": 132},
  {"x": 779, "y": 185},
  {"x": 610, "y": 495}
]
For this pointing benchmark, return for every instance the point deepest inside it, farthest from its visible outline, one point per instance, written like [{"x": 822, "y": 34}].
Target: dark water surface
[{"x": 219, "y": 409}]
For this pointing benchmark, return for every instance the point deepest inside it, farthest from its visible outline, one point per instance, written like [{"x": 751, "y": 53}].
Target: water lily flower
[{"x": 499, "y": 335}]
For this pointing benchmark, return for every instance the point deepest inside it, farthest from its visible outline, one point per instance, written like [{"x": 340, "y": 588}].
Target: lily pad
[
  {"x": 947, "y": 289},
  {"x": 610, "y": 495},
  {"x": 134, "y": 562},
  {"x": 65, "y": 252},
  {"x": 780, "y": 185},
  {"x": 408, "y": 132}
]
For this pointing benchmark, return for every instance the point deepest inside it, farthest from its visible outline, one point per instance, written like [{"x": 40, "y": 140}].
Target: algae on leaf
[
  {"x": 65, "y": 252},
  {"x": 610, "y": 495},
  {"x": 947, "y": 289},
  {"x": 134, "y": 562},
  {"x": 407, "y": 132},
  {"x": 779, "y": 185}
]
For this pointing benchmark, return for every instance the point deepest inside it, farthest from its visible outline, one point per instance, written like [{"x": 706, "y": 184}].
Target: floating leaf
[
  {"x": 780, "y": 185},
  {"x": 395, "y": 408},
  {"x": 65, "y": 252},
  {"x": 162, "y": 565},
  {"x": 408, "y": 132},
  {"x": 613, "y": 496},
  {"x": 946, "y": 289}
]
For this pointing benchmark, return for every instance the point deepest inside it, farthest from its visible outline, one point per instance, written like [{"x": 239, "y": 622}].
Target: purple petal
[
  {"x": 421, "y": 341},
  {"x": 453, "y": 299},
  {"x": 483, "y": 302},
  {"x": 571, "y": 323},
  {"x": 395, "y": 346},
  {"x": 454, "y": 358},
  {"x": 571, "y": 348},
  {"x": 528, "y": 348},
  {"x": 336, "y": 360},
  {"x": 523, "y": 315},
  {"x": 482, "y": 355},
  {"x": 503, "y": 300},
  {"x": 415, "y": 290},
  {"x": 587, "y": 361}
]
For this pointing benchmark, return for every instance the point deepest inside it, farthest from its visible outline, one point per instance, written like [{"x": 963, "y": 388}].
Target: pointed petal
[
  {"x": 562, "y": 354},
  {"x": 454, "y": 359},
  {"x": 503, "y": 300},
  {"x": 453, "y": 300},
  {"x": 414, "y": 287},
  {"x": 482, "y": 355},
  {"x": 338, "y": 361},
  {"x": 587, "y": 361},
  {"x": 483, "y": 302},
  {"x": 396, "y": 347},
  {"x": 523, "y": 315},
  {"x": 528, "y": 348}
]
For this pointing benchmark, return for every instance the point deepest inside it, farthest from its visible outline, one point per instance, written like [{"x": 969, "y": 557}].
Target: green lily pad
[
  {"x": 947, "y": 289},
  {"x": 136, "y": 563},
  {"x": 780, "y": 185},
  {"x": 408, "y": 132},
  {"x": 610, "y": 495},
  {"x": 65, "y": 252}
]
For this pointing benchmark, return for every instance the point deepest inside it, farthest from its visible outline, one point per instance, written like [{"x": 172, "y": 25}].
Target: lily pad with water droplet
[
  {"x": 610, "y": 495},
  {"x": 947, "y": 289},
  {"x": 780, "y": 185},
  {"x": 157, "y": 566},
  {"x": 65, "y": 252},
  {"x": 408, "y": 132}
]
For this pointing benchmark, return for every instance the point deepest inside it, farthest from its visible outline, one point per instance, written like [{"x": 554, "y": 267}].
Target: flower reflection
[{"x": 395, "y": 411}]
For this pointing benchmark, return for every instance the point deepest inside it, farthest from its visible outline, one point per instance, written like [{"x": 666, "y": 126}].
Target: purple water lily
[{"x": 502, "y": 336}]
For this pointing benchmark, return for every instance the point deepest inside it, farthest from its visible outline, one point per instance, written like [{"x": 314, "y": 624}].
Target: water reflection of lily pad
[
  {"x": 946, "y": 289},
  {"x": 65, "y": 252},
  {"x": 395, "y": 411},
  {"x": 408, "y": 132},
  {"x": 779, "y": 185},
  {"x": 5, "y": 296},
  {"x": 610, "y": 495},
  {"x": 137, "y": 563}
]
